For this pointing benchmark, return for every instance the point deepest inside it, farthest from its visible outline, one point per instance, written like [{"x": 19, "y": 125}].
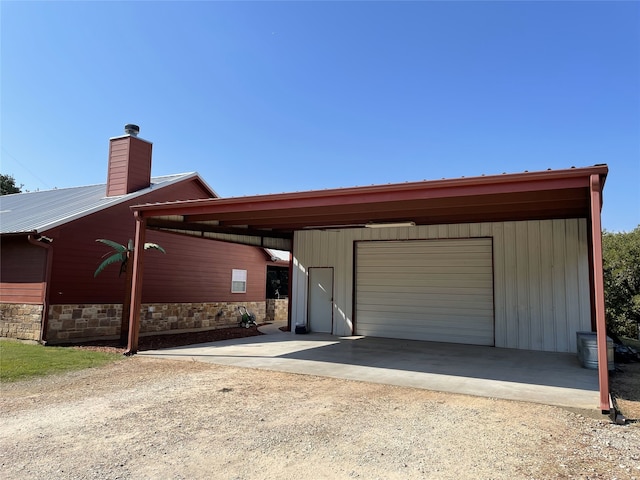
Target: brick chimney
[{"x": 129, "y": 163}]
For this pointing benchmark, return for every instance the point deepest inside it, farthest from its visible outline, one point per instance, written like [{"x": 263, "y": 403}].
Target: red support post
[
  {"x": 595, "y": 186},
  {"x": 136, "y": 285}
]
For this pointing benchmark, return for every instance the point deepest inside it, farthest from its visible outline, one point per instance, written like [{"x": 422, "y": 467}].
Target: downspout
[
  {"x": 44, "y": 242},
  {"x": 136, "y": 284},
  {"x": 595, "y": 186}
]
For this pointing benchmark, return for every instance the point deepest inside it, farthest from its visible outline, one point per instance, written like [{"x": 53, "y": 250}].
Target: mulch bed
[{"x": 154, "y": 342}]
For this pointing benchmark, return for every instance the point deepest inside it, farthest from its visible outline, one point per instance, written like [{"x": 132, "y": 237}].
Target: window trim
[{"x": 238, "y": 280}]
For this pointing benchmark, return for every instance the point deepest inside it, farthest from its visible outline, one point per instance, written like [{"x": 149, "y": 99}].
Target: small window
[{"x": 238, "y": 281}]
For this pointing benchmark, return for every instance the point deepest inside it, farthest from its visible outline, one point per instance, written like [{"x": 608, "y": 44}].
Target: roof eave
[{"x": 494, "y": 184}]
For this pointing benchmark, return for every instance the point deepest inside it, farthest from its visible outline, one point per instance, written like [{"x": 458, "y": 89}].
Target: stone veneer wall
[
  {"x": 74, "y": 322},
  {"x": 69, "y": 323},
  {"x": 21, "y": 321},
  {"x": 277, "y": 310}
]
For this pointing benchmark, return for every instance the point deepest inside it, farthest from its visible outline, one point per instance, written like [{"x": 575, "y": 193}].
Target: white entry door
[{"x": 321, "y": 299}]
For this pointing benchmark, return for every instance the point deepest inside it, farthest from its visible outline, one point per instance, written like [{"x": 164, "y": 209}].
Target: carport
[
  {"x": 543, "y": 290},
  {"x": 521, "y": 375}
]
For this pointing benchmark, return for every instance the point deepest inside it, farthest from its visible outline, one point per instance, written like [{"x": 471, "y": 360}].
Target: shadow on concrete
[
  {"x": 543, "y": 377},
  {"x": 521, "y": 366}
]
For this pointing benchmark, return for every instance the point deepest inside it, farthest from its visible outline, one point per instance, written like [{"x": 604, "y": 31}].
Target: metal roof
[
  {"x": 270, "y": 220},
  {"x": 37, "y": 212}
]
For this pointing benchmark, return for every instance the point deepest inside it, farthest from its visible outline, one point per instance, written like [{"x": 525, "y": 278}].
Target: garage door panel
[
  {"x": 444, "y": 334},
  {"x": 423, "y": 311},
  {"x": 437, "y": 290},
  {"x": 375, "y": 290},
  {"x": 404, "y": 279},
  {"x": 436, "y": 262},
  {"x": 437, "y": 317},
  {"x": 451, "y": 245},
  {"x": 447, "y": 295},
  {"x": 416, "y": 272},
  {"x": 424, "y": 332},
  {"x": 433, "y": 333},
  {"x": 435, "y": 287},
  {"x": 409, "y": 303}
]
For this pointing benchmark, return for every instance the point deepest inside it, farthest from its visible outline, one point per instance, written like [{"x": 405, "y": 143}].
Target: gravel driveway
[{"x": 149, "y": 418}]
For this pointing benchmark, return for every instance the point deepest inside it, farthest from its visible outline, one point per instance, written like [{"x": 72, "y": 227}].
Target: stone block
[{"x": 68, "y": 324}]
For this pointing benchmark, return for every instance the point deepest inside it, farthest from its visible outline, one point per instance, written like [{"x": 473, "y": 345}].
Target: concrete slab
[{"x": 540, "y": 377}]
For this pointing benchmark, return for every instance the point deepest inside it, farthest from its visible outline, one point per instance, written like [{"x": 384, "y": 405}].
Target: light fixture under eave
[{"x": 390, "y": 225}]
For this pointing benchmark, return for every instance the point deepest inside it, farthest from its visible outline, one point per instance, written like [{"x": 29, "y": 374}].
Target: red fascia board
[
  {"x": 527, "y": 199},
  {"x": 506, "y": 183},
  {"x": 567, "y": 200}
]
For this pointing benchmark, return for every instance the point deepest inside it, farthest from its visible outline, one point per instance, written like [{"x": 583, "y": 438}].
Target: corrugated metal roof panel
[{"x": 43, "y": 210}]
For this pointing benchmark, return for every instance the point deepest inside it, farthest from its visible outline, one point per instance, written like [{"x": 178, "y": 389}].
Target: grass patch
[{"x": 19, "y": 361}]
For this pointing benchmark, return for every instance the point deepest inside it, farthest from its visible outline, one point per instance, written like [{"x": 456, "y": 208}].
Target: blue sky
[{"x": 270, "y": 97}]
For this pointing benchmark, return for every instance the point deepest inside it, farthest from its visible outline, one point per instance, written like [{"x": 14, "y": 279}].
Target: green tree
[
  {"x": 121, "y": 254},
  {"x": 8, "y": 185},
  {"x": 621, "y": 264}
]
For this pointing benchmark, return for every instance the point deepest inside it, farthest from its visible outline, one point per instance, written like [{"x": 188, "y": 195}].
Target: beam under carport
[{"x": 264, "y": 238}]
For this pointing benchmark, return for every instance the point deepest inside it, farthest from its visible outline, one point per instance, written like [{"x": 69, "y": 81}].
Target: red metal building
[{"x": 49, "y": 255}]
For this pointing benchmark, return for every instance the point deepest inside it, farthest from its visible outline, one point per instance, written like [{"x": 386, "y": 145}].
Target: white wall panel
[
  {"x": 559, "y": 288},
  {"x": 535, "y": 339},
  {"x": 541, "y": 276},
  {"x": 522, "y": 329},
  {"x": 499, "y": 271},
  {"x": 583, "y": 275},
  {"x": 547, "y": 318}
]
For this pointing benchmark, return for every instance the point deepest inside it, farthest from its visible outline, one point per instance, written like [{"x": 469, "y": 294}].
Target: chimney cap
[{"x": 131, "y": 129}]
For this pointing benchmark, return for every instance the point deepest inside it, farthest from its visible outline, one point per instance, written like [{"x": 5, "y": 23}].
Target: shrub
[{"x": 621, "y": 264}]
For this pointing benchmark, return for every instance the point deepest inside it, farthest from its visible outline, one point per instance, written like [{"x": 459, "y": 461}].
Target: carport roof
[{"x": 270, "y": 220}]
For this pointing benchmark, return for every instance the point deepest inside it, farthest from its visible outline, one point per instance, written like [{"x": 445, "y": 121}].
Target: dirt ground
[
  {"x": 152, "y": 418},
  {"x": 624, "y": 382},
  {"x": 625, "y": 388}
]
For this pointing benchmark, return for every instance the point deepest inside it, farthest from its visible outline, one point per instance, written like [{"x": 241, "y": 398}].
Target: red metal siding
[
  {"x": 196, "y": 270},
  {"x": 193, "y": 270},
  {"x": 22, "y": 271},
  {"x": 139, "y": 164},
  {"x": 129, "y": 165},
  {"x": 117, "y": 170}
]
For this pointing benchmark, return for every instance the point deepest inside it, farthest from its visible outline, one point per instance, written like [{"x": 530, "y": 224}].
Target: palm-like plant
[{"x": 122, "y": 253}]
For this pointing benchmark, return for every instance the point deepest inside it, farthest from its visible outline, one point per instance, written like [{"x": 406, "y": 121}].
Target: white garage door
[{"x": 436, "y": 290}]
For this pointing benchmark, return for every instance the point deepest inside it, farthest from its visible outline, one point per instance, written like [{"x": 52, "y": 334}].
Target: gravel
[{"x": 151, "y": 418}]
